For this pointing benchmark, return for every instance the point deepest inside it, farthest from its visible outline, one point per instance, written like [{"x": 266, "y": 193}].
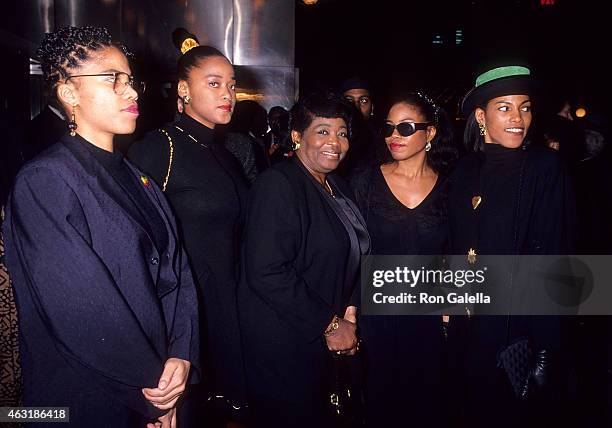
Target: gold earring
[
  {"x": 186, "y": 99},
  {"x": 428, "y": 146},
  {"x": 483, "y": 128},
  {"x": 72, "y": 125},
  {"x": 296, "y": 145}
]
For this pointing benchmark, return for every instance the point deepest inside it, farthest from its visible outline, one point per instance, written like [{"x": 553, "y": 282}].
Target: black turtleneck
[
  {"x": 499, "y": 183},
  {"x": 206, "y": 189},
  {"x": 114, "y": 163}
]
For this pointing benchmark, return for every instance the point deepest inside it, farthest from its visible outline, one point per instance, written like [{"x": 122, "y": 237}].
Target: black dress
[
  {"x": 207, "y": 191},
  {"x": 527, "y": 208},
  {"x": 403, "y": 355},
  {"x": 301, "y": 257}
]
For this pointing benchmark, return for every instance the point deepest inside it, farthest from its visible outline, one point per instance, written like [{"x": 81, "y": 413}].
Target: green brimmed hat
[{"x": 509, "y": 80}]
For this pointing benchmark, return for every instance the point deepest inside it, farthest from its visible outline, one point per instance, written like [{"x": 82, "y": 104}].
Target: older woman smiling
[{"x": 298, "y": 298}]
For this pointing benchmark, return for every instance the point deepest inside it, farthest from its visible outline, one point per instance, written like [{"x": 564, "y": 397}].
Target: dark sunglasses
[{"x": 405, "y": 129}]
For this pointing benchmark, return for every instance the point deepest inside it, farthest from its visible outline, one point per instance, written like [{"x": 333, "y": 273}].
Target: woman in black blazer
[
  {"x": 105, "y": 297},
  {"x": 298, "y": 299}
]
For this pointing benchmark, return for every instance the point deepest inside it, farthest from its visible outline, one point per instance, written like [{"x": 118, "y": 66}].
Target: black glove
[{"x": 540, "y": 379}]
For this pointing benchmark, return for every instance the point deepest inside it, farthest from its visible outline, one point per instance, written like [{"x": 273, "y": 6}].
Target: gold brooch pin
[
  {"x": 145, "y": 180},
  {"x": 476, "y": 200},
  {"x": 471, "y": 256}
]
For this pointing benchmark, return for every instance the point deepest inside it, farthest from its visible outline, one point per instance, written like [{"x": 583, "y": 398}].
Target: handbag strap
[{"x": 170, "y": 159}]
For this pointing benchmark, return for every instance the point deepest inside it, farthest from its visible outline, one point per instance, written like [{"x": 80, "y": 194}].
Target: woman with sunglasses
[
  {"x": 207, "y": 189},
  {"x": 404, "y": 204},
  {"x": 105, "y": 296}
]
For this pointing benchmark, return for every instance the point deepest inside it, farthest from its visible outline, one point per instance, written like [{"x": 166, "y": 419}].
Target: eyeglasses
[
  {"x": 120, "y": 81},
  {"x": 405, "y": 129}
]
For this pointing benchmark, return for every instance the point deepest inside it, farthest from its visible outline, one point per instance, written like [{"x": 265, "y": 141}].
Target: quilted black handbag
[{"x": 515, "y": 359}]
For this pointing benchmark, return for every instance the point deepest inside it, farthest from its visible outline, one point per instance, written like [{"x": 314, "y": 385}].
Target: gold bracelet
[{"x": 334, "y": 325}]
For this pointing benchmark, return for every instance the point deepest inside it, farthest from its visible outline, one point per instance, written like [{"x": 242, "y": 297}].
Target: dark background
[{"x": 390, "y": 44}]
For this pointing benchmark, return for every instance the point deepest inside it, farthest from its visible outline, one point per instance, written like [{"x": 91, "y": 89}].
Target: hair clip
[
  {"x": 433, "y": 105},
  {"x": 188, "y": 44}
]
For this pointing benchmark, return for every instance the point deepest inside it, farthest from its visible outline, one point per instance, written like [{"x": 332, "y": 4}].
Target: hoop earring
[
  {"x": 186, "y": 99},
  {"x": 72, "y": 125},
  {"x": 483, "y": 129},
  {"x": 428, "y": 146}
]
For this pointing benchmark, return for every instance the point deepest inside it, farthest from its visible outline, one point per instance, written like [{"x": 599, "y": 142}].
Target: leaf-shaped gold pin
[{"x": 476, "y": 200}]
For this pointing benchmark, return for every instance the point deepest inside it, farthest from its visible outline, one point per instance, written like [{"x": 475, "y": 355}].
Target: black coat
[
  {"x": 296, "y": 253},
  {"x": 546, "y": 219},
  {"x": 537, "y": 217},
  {"x": 100, "y": 310}
]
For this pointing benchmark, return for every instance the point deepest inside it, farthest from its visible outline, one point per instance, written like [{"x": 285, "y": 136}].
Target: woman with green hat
[{"x": 508, "y": 198}]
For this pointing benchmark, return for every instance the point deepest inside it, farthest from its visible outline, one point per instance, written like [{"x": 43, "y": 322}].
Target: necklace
[
  {"x": 328, "y": 189},
  {"x": 191, "y": 136},
  {"x": 171, "y": 158}
]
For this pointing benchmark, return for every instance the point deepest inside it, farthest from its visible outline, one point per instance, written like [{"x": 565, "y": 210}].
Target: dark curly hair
[
  {"x": 68, "y": 48},
  {"x": 443, "y": 154},
  {"x": 320, "y": 104}
]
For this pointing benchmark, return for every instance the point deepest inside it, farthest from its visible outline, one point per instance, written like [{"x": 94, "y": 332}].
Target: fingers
[
  {"x": 171, "y": 383},
  {"x": 167, "y": 401},
  {"x": 169, "y": 369},
  {"x": 155, "y": 395},
  {"x": 342, "y": 343},
  {"x": 354, "y": 350},
  {"x": 351, "y": 314},
  {"x": 168, "y": 420}
]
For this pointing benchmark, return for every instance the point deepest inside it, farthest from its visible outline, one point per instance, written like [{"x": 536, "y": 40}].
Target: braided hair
[{"x": 68, "y": 48}]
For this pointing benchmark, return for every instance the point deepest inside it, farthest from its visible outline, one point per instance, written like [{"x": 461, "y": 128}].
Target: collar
[
  {"x": 200, "y": 132},
  {"x": 104, "y": 157}
]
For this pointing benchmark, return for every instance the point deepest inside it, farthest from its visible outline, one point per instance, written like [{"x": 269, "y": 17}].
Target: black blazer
[
  {"x": 100, "y": 310},
  {"x": 295, "y": 257}
]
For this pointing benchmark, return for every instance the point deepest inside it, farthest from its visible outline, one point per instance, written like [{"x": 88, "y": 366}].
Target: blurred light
[
  {"x": 580, "y": 112},
  {"x": 547, "y": 2},
  {"x": 437, "y": 40},
  {"x": 35, "y": 67},
  {"x": 310, "y": 2},
  {"x": 242, "y": 96},
  {"x": 458, "y": 37}
]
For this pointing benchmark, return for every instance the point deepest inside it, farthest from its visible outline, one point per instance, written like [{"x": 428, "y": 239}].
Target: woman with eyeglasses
[
  {"x": 207, "y": 190},
  {"x": 404, "y": 204},
  {"x": 106, "y": 300}
]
